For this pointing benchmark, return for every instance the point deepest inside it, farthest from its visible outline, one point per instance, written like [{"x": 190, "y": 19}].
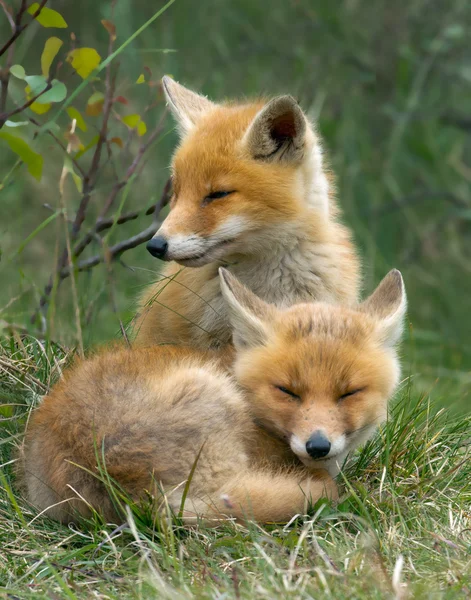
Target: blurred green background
[{"x": 389, "y": 85}]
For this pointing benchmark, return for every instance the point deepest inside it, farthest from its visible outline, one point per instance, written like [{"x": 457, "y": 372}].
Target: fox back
[{"x": 249, "y": 190}]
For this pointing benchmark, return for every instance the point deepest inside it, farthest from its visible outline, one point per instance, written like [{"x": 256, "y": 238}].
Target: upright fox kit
[
  {"x": 313, "y": 383},
  {"x": 249, "y": 190}
]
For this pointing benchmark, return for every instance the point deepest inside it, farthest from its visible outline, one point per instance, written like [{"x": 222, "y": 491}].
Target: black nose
[
  {"x": 157, "y": 246},
  {"x": 318, "y": 445}
]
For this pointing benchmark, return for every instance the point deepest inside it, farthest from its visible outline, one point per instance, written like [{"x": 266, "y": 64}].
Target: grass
[{"x": 402, "y": 528}]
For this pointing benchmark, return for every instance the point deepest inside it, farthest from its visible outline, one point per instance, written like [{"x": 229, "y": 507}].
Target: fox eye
[
  {"x": 217, "y": 195},
  {"x": 288, "y": 392},
  {"x": 351, "y": 393}
]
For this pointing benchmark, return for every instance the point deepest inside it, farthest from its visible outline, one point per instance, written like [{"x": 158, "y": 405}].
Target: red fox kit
[
  {"x": 311, "y": 383},
  {"x": 249, "y": 190}
]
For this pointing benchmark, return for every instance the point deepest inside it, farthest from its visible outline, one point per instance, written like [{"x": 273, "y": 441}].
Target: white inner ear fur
[
  {"x": 248, "y": 329},
  {"x": 186, "y": 106},
  {"x": 388, "y": 304},
  {"x": 392, "y": 327}
]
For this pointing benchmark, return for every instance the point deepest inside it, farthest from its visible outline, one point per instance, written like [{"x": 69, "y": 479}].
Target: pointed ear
[
  {"x": 277, "y": 132},
  {"x": 186, "y": 106},
  {"x": 249, "y": 316},
  {"x": 388, "y": 304}
]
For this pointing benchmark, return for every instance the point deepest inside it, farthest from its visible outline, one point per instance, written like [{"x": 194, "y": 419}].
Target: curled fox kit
[
  {"x": 310, "y": 383},
  {"x": 250, "y": 190}
]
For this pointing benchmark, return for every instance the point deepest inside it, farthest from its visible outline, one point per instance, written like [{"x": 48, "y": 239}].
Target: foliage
[{"x": 96, "y": 132}]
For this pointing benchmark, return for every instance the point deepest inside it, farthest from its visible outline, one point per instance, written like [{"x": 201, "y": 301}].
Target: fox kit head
[
  {"x": 318, "y": 375},
  {"x": 241, "y": 171}
]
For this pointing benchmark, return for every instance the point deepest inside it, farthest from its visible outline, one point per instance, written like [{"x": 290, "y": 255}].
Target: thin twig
[
  {"x": 61, "y": 145},
  {"x": 118, "y": 186},
  {"x": 89, "y": 180},
  {"x": 8, "y": 15},
  {"x": 116, "y": 250},
  {"x": 19, "y": 28},
  {"x": 5, "y": 116},
  {"x": 5, "y": 72}
]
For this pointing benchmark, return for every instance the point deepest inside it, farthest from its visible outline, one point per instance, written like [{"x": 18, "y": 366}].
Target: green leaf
[
  {"x": 51, "y": 48},
  {"x": 32, "y": 160},
  {"x": 84, "y": 60},
  {"x": 36, "y": 83},
  {"x": 68, "y": 165},
  {"x": 75, "y": 114},
  {"x": 17, "y": 71},
  {"x": 57, "y": 93},
  {"x": 48, "y": 17},
  {"x": 141, "y": 78}
]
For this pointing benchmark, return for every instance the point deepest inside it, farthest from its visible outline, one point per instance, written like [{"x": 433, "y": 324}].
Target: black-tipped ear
[
  {"x": 388, "y": 303},
  {"x": 186, "y": 106},
  {"x": 250, "y": 317},
  {"x": 277, "y": 132}
]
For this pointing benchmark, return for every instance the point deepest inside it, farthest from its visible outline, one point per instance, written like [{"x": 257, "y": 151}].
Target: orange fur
[
  {"x": 278, "y": 230},
  {"x": 148, "y": 414}
]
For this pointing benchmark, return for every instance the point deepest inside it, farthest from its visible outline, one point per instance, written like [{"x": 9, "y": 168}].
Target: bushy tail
[{"x": 261, "y": 496}]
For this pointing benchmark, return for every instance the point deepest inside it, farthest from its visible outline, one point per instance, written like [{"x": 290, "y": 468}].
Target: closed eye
[
  {"x": 216, "y": 195},
  {"x": 288, "y": 392},
  {"x": 351, "y": 393}
]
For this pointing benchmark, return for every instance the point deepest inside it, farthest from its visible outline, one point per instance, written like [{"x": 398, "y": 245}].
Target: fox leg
[{"x": 263, "y": 497}]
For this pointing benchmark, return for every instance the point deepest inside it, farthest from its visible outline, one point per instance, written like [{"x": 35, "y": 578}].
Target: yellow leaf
[
  {"x": 48, "y": 17},
  {"x": 51, "y": 48},
  {"x": 141, "y": 128},
  {"x": 37, "y": 107},
  {"x": 141, "y": 78},
  {"x": 95, "y": 104},
  {"x": 84, "y": 60},
  {"x": 40, "y": 109},
  {"x": 74, "y": 114},
  {"x": 131, "y": 120}
]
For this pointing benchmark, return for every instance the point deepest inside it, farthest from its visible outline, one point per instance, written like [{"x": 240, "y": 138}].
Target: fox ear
[
  {"x": 248, "y": 314},
  {"x": 186, "y": 106},
  {"x": 277, "y": 132},
  {"x": 388, "y": 303}
]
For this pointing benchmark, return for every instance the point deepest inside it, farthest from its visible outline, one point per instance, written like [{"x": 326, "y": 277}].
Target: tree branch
[
  {"x": 115, "y": 251},
  {"x": 119, "y": 185},
  {"x": 4, "y": 117},
  {"x": 19, "y": 28}
]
